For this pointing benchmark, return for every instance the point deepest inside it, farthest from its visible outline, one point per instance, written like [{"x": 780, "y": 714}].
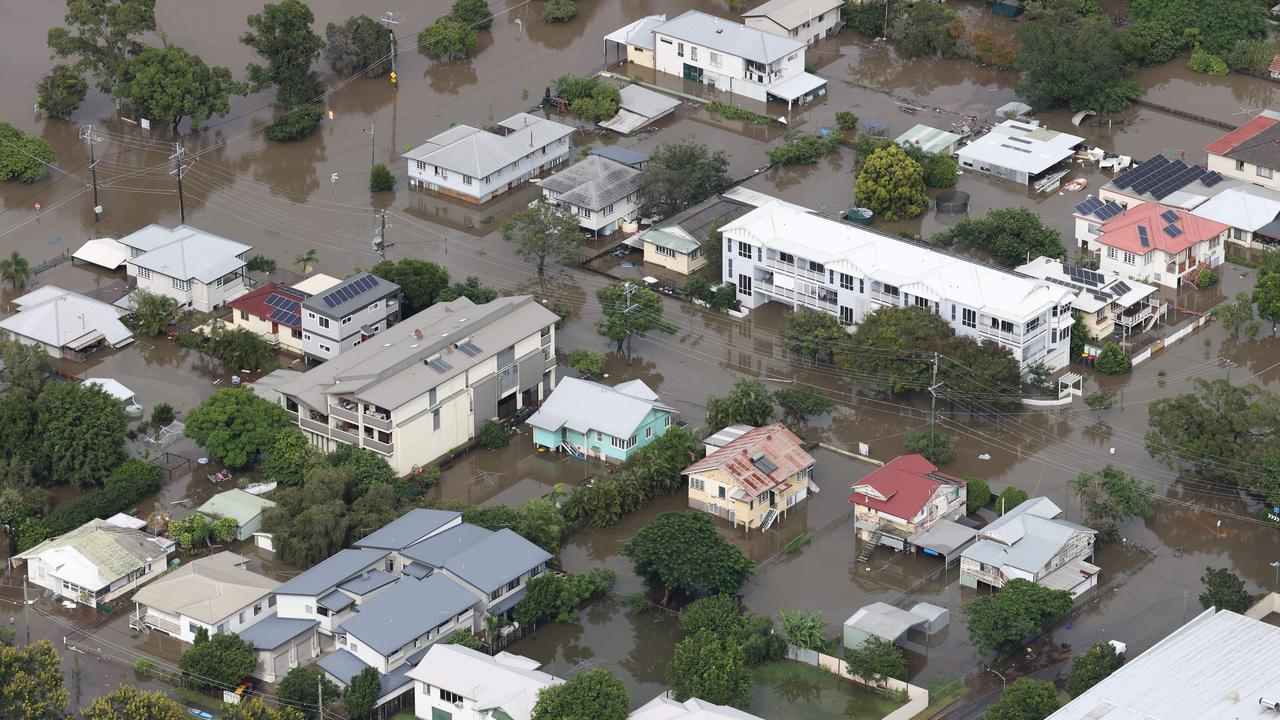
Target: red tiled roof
[
  {"x": 907, "y": 482},
  {"x": 1122, "y": 231},
  {"x": 774, "y": 442},
  {"x": 255, "y": 302},
  {"x": 1235, "y": 138}
]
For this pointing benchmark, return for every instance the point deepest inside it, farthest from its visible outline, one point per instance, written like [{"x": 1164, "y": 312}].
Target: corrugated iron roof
[{"x": 774, "y": 443}]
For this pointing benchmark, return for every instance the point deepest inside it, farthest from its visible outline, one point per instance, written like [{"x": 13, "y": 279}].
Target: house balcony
[
  {"x": 371, "y": 444},
  {"x": 344, "y": 436},
  {"x": 1132, "y": 317},
  {"x": 314, "y": 426},
  {"x": 885, "y": 298},
  {"x": 348, "y": 413},
  {"x": 991, "y": 333},
  {"x": 159, "y": 623},
  {"x": 376, "y": 421},
  {"x": 797, "y": 271},
  {"x": 825, "y": 301}
]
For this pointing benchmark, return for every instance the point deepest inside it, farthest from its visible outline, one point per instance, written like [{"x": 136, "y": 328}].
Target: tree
[
  {"x": 475, "y": 13},
  {"x": 294, "y": 124},
  {"x": 470, "y": 289},
  {"x": 362, "y": 694},
  {"x": 542, "y": 524},
  {"x": 420, "y": 281},
  {"x": 222, "y": 660},
  {"x": 799, "y": 148},
  {"x": 359, "y": 45},
  {"x": 940, "y": 171},
  {"x": 1008, "y": 235},
  {"x": 381, "y": 179},
  {"x": 1267, "y": 296},
  {"x": 81, "y": 433},
  {"x": 127, "y": 702},
  {"x": 1224, "y": 590},
  {"x": 153, "y": 313},
  {"x": 282, "y": 36},
  {"x": 892, "y": 184},
  {"x": 1111, "y": 496},
  {"x": 465, "y": 638},
  {"x": 60, "y": 92},
  {"x": 25, "y": 371},
  {"x": 239, "y": 348},
  {"x": 1113, "y": 360},
  {"x": 1092, "y": 667},
  {"x": 628, "y": 311},
  {"x": 31, "y": 683},
  {"x": 876, "y": 658},
  {"x": 706, "y": 562},
  {"x": 977, "y": 494},
  {"x": 813, "y": 335},
  {"x": 587, "y": 362},
  {"x": 1025, "y": 699},
  {"x": 261, "y": 263},
  {"x": 235, "y": 425},
  {"x": 1010, "y": 498},
  {"x": 936, "y": 446},
  {"x": 901, "y": 338},
  {"x": 288, "y": 458},
  {"x": 560, "y": 597},
  {"x": 23, "y": 157},
  {"x": 544, "y": 230},
  {"x": 593, "y": 695},
  {"x": 1150, "y": 42},
  {"x": 102, "y": 35},
  {"x": 556, "y": 11},
  {"x": 1217, "y": 23},
  {"x": 992, "y": 49},
  {"x": 1251, "y": 55},
  {"x": 1072, "y": 61},
  {"x": 170, "y": 84},
  {"x": 1079, "y": 334},
  {"x": 257, "y": 709},
  {"x": 1000, "y": 622},
  {"x": 804, "y": 628},
  {"x": 307, "y": 261},
  {"x": 710, "y": 668},
  {"x": 720, "y": 614},
  {"x": 971, "y": 371},
  {"x": 447, "y": 39},
  {"x": 680, "y": 175},
  {"x": 800, "y": 404},
  {"x": 748, "y": 403},
  {"x": 1236, "y": 315},
  {"x": 927, "y": 30}
]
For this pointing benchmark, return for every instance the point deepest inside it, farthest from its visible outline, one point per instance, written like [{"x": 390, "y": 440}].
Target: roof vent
[
  {"x": 417, "y": 334},
  {"x": 719, "y": 31},
  {"x": 1269, "y": 703}
]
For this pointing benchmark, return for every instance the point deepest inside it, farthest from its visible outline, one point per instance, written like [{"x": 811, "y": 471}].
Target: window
[
  {"x": 1032, "y": 324},
  {"x": 821, "y": 16},
  {"x": 584, "y": 213},
  {"x": 240, "y": 617},
  {"x": 729, "y": 270},
  {"x": 535, "y": 572},
  {"x": 1239, "y": 166},
  {"x": 183, "y": 285},
  {"x": 1111, "y": 253},
  {"x": 346, "y": 320},
  {"x": 623, "y": 443},
  {"x": 679, "y": 49},
  {"x": 306, "y": 336},
  {"x": 648, "y": 432},
  {"x": 244, "y": 315},
  {"x": 1264, "y": 172},
  {"x": 311, "y": 315},
  {"x": 888, "y": 289},
  {"x": 664, "y": 251},
  {"x": 223, "y": 628},
  {"x": 435, "y": 419},
  {"x": 599, "y": 436},
  {"x": 495, "y": 594},
  {"x": 1147, "y": 256},
  {"x": 271, "y": 601},
  {"x": 744, "y": 284},
  {"x": 513, "y": 584},
  {"x": 846, "y": 281},
  {"x": 306, "y": 610},
  {"x": 714, "y": 59},
  {"x": 786, "y": 258},
  {"x": 192, "y": 628},
  {"x": 666, "y": 421},
  {"x": 422, "y": 166},
  {"x": 325, "y": 348},
  {"x": 1095, "y": 229},
  {"x": 922, "y": 302},
  {"x": 1130, "y": 258},
  {"x": 324, "y": 322},
  {"x": 693, "y": 53},
  {"x": 792, "y": 57},
  {"x": 697, "y": 483},
  {"x": 744, "y": 250},
  {"x": 466, "y": 180},
  {"x": 607, "y": 210},
  {"x": 969, "y": 318},
  {"x": 144, "y": 273},
  {"x": 720, "y": 491},
  {"x": 440, "y": 173},
  {"x": 449, "y": 697},
  {"x": 846, "y": 315}
]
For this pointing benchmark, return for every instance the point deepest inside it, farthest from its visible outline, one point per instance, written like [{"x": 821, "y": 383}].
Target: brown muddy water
[{"x": 279, "y": 198}]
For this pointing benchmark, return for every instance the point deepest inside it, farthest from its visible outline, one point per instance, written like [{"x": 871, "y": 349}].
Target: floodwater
[{"x": 279, "y": 198}]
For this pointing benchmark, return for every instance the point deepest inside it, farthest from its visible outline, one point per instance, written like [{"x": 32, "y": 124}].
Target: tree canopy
[
  {"x": 813, "y": 335},
  {"x": 222, "y": 660},
  {"x": 1070, "y": 60},
  {"x": 544, "y": 230},
  {"x": 876, "y": 658},
  {"x": 361, "y": 44},
  {"x": 1224, "y": 590},
  {"x": 171, "y": 84},
  {"x": 1216, "y": 24},
  {"x": 31, "y": 683},
  {"x": 282, "y": 36},
  {"x": 1092, "y": 667},
  {"x": 682, "y": 552},
  {"x": 235, "y": 425},
  {"x": 593, "y": 695},
  {"x": 420, "y": 281},
  {"x": 23, "y": 157},
  {"x": 927, "y": 30},
  {"x": 1011, "y": 236},
  {"x": 448, "y": 38},
  {"x": 628, "y": 311},
  {"x": 1000, "y": 623},
  {"x": 362, "y": 694},
  {"x": 1111, "y": 496},
  {"x": 475, "y": 13},
  {"x": 892, "y": 184},
  {"x": 720, "y": 614},
  {"x": 800, "y": 404},
  {"x": 127, "y": 702},
  {"x": 680, "y": 175},
  {"x": 1025, "y": 699},
  {"x": 710, "y": 668},
  {"x": 81, "y": 433},
  {"x": 748, "y": 403},
  {"x": 154, "y": 313},
  {"x": 102, "y": 34},
  {"x": 903, "y": 339},
  {"x": 61, "y": 92}
]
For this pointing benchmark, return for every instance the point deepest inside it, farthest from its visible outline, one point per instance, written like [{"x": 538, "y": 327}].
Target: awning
[
  {"x": 103, "y": 252},
  {"x": 797, "y": 87},
  {"x": 1271, "y": 229},
  {"x": 625, "y": 122},
  {"x": 946, "y": 537}
]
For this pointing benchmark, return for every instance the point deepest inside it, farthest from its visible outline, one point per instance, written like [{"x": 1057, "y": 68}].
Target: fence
[
  {"x": 1175, "y": 337},
  {"x": 917, "y": 697}
]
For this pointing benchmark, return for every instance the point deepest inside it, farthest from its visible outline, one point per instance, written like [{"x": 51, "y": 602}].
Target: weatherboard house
[
  {"x": 1032, "y": 542},
  {"x": 587, "y": 419},
  {"x": 200, "y": 270},
  {"x": 754, "y": 478}
]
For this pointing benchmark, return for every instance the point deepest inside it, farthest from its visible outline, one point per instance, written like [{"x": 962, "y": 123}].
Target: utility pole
[
  {"x": 179, "y": 170},
  {"x": 26, "y": 609},
  {"x": 391, "y": 19},
  {"x": 933, "y": 408},
  {"x": 372, "y": 150},
  {"x": 87, "y": 135},
  {"x": 380, "y": 243},
  {"x": 320, "y": 696},
  {"x": 628, "y": 289}
]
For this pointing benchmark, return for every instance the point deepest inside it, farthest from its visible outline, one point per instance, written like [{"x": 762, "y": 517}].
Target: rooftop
[
  {"x": 437, "y": 549},
  {"x": 928, "y": 139},
  {"x": 792, "y": 13},
  {"x": 407, "y": 610},
  {"x": 630, "y": 158},
  {"x": 393, "y": 369},
  {"x": 1022, "y": 147},
  {"x": 901, "y": 487},
  {"x": 582, "y": 405},
  {"x": 1219, "y": 666},
  {"x": 236, "y": 504},
  {"x": 1095, "y": 289},
  {"x": 103, "y": 252},
  {"x": 699, "y": 28},
  {"x": 696, "y": 222},
  {"x": 208, "y": 589},
  {"x": 593, "y": 182},
  {"x": 185, "y": 253},
  {"x": 274, "y": 302},
  {"x": 354, "y": 293},
  {"x": 112, "y": 551},
  {"x": 273, "y": 631},
  {"x": 1257, "y": 141},
  {"x": 1026, "y": 537},
  {"x": 61, "y": 318},
  {"x": 759, "y": 459},
  {"x": 884, "y": 621},
  {"x": 367, "y": 582},
  {"x": 408, "y": 529},
  {"x": 1168, "y": 181},
  {"x": 1151, "y": 226},
  {"x": 1243, "y": 206},
  {"x": 505, "y": 682},
  {"x": 496, "y": 560},
  {"x": 316, "y": 284},
  {"x": 664, "y": 708},
  {"x": 478, "y": 154},
  {"x": 331, "y": 572},
  {"x": 638, "y": 33}
]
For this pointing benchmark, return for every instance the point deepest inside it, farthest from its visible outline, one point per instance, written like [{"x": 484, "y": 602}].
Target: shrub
[
  {"x": 763, "y": 643},
  {"x": 381, "y": 179},
  {"x": 977, "y": 494},
  {"x": 23, "y": 157},
  {"x": 465, "y": 638},
  {"x": 561, "y": 597},
  {"x": 261, "y": 263},
  {"x": 797, "y": 542},
  {"x": 805, "y": 628},
  {"x": 128, "y": 484},
  {"x": 736, "y": 113},
  {"x": 802, "y": 149},
  {"x": 494, "y": 436},
  {"x": 725, "y": 297},
  {"x": 162, "y": 414},
  {"x": 1113, "y": 360},
  {"x": 587, "y": 362},
  {"x": 60, "y": 92},
  {"x": 637, "y": 603},
  {"x": 602, "y": 104},
  {"x": 937, "y": 446},
  {"x": 1010, "y": 498},
  {"x": 1203, "y": 61},
  {"x": 295, "y": 124},
  {"x": 1206, "y": 279},
  {"x": 554, "y": 11},
  {"x": 144, "y": 666},
  {"x": 698, "y": 287},
  {"x": 940, "y": 171},
  {"x": 846, "y": 120}
]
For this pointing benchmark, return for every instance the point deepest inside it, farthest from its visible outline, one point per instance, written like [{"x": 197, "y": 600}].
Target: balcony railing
[
  {"x": 793, "y": 296},
  {"x": 806, "y": 273},
  {"x": 161, "y": 624},
  {"x": 990, "y": 332},
  {"x": 344, "y": 436},
  {"x": 350, "y": 415},
  {"x": 1129, "y": 320},
  {"x": 886, "y": 298},
  {"x": 370, "y": 443},
  {"x": 376, "y": 422},
  {"x": 314, "y": 426}
]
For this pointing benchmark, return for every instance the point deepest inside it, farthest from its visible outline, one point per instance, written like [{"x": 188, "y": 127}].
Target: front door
[{"x": 692, "y": 72}]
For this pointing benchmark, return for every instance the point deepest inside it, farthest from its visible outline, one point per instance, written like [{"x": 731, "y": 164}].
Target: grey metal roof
[
  {"x": 1025, "y": 538},
  {"x": 354, "y": 293},
  {"x": 1262, "y": 149},
  {"x": 696, "y": 221},
  {"x": 407, "y": 610},
  {"x": 341, "y": 664},
  {"x": 437, "y": 549},
  {"x": 367, "y": 582},
  {"x": 478, "y": 154},
  {"x": 884, "y": 621},
  {"x": 417, "y": 570},
  {"x": 593, "y": 182},
  {"x": 496, "y": 560},
  {"x": 336, "y": 601},
  {"x": 331, "y": 572},
  {"x": 266, "y": 387},
  {"x": 792, "y": 14},
  {"x": 1216, "y": 667},
  {"x": 645, "y": 102},
  {"x": 946, "y": 537},
  {"x": 408, "y": 529},
  {"x": 185, "y": 253},
  {"x": 699, "y": 28},
  {"x": 583, "y": 406},
  {"x": 638, "y": 33},
  {"x": 630, "y": 158},
  {"x": 391, "y": 371},
  {"x": 273, "y": 631}
]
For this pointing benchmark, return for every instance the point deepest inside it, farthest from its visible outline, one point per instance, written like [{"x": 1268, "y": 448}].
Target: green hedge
[{"x": 128, "y": 484}]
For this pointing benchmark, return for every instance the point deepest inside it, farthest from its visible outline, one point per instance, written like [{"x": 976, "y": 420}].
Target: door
[{"x": 692, "y": 72}]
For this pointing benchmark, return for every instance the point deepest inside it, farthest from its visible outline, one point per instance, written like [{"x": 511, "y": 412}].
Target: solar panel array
[
  {"x": 438, "y": 364},
  {"x": 469, "y": 349},
  {"x": 355, "y": 288},
  {"x": 1211, "y": 179},
  {"x": 1160, "y": 177},
  {"x": 1172, "y": 231},
  {"x": 1088, "y": 281},
  {"x": 285, "y": 309},
  {"x": 1084, "y": 276},
  {"x": 1120, "y": 288},
  {"x": 1104, "y": 211},
  {"x": 1169, "y": 216},
  {"x": 1142, "y": 236}
]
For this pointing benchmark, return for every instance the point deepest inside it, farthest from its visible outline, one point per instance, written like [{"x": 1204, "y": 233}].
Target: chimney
[{"x": 417, "y": 334}]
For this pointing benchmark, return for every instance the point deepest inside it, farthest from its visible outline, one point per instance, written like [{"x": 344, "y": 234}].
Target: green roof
[
  {"x": 235, "y": 504},
  {"x": 662, "y": 238}
]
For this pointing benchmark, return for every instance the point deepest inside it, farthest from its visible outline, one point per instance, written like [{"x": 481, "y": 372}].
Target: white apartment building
[
  {"x": 734, "y": 58},
  {"x": 476, "y": 165},
  {"x": 785, "y": 253},
  {"x": 431, "y": 382},
  {"x": 200, "y": 270},
  {"x": 802, "y": 20},
  {"x": 347, "y": 314},
  {"x": 459, "y": 683}
]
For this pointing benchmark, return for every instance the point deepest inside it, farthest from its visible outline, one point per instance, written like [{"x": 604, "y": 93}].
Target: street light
[
  {"x": 1002, "y": 681},
  {"x": 1276, "y": 585}
]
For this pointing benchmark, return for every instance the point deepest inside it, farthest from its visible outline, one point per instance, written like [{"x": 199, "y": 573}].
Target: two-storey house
[
  {"x": 1154, "y": 243},
  {"x": 600, "y": 192},
  {"x": 587, "y": 419},
  {"x": 318, "y": 593},
  {"x": 406, "y": 531},
  {"x": 754, "y": 478},
  {"x": 800, "y": 20},
  {"x": 1108, "y": 305},
  {"x": 348, "y": 314},
  {"x": 476, "y": 165},
  {"x": 734, "y": 58},
  {"x": 428, "y": 384},
  {"x": 453, "y": 682},
  {"x": 785, "y": 253},
  {"x": 1251, "y": 152},
  {"x": 897, "y": 503},
  {"x": 272, "y": 312},
  {"x": 200, "y": 270},
  {"x": 1032, "y": 542},
  {"x": 217, "y": 593}
]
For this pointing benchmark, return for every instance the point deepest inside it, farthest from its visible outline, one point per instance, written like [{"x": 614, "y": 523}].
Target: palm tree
[
  {"x": 19, "y": 270},
  {"x": 307, "y": 260}
]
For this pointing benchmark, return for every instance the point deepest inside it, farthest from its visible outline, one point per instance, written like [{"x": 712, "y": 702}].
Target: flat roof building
[{"x": 1018, "y": 151}]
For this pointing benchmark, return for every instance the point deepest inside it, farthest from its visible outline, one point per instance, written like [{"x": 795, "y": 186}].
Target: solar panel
[
  {"x": 1172, "y": 231},
  {"x": 1142, "y": 234},
  {"x": 1169, "y": 216},
  {"x": 286, "y": 317},
  {"x": 1090, "y": 206},
  {"x": 1128, "y": 178},
  {"x": 1120, "y": 288},
  {"x": 1109, "y": 210},
  {"x": 764, "y": 465},
  {"x": 350, "y": 291},
  {"x": 1100, "y": 296},
  {"x": 1211, "y": 179},
  {"x": 469, "y": 349},
  {"x": 438, "y": 364}
]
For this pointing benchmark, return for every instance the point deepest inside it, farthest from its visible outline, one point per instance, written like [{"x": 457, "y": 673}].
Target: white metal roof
[
  {"x": 316, "y": 284},
  {"x": 649, "y": 103},
  {"x": 60, "y": 318},
  {"x": 699, "y": 28},
  {"x": 793, "y": 13},
  {"x": 1025, "y": 538},
  {"x": 1216, "y": 667},
  {"x": 1115, "y": 288},
  {"x": 1247, "y": 207},
  {"x": 1022, "y": 147},
  {"x": 103, "y": 252},
  {"x": 929, "y": 139},
  {"x": 583, "y": 405},
  {"x": 920, "y": 270},
  {"x": 478, "y": 154},
  {"x": 505, "y": 682},
  {"x": 638, "y": 33},
  {"x": 664, "y": 708},
  {"x": 796, "y": 86},
  {"x": 112, "y": 387},
  {"x": 185, "y": 253}
]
